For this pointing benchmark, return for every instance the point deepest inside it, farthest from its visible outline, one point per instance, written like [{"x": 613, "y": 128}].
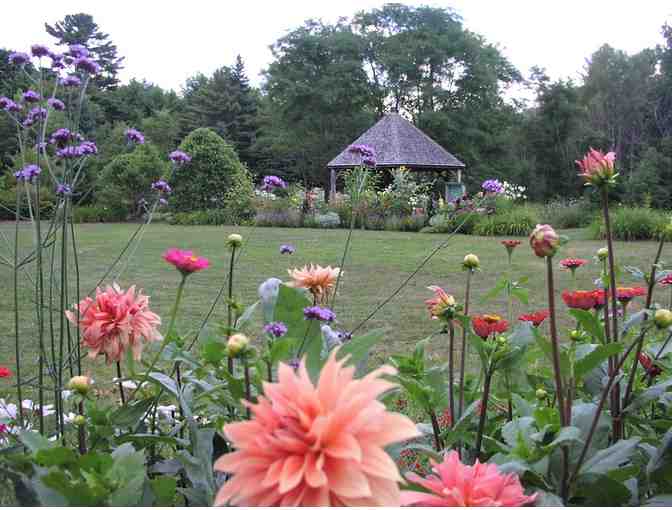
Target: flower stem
[
  {"x": 484, "y": 410},
  {"x": 229, "y": 304},
  {"x": 121, "y": 386},
  {"x": 248, "y": 392},
  {"x": 15, "y": 282},
  {"x": 463, "y": 353},
  {"x": 451, "y": 366},
  {"x": 436, "y": 429}
]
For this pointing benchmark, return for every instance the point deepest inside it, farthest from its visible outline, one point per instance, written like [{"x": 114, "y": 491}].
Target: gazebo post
[{"x": 332, "y": 185}]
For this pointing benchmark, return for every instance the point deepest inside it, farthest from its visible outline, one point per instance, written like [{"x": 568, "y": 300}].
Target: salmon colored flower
[
  {"x": 115, "y": 321},
  {"x": 486, "y": 325},
  {"x": 581, "y": 299},
  {"x": 627, "y": 294},
  {"x": 544, "y": 241},
  {"x": 185, "y": 261},
  {"x": 321, "y": 445},
  {"x": 652, "y": 370},
  {"x": 317, "y": 279},
  {"x": 535, "y": 318},
  {"x": 5, "y": 372},
  {"x": 452, "y": 483},
  {"x": 441, "y": 304},
  {"x": 597, "y": 168}
]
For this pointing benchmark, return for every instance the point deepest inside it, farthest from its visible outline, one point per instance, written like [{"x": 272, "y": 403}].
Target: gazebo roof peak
[{"x": 398, "y": 142}]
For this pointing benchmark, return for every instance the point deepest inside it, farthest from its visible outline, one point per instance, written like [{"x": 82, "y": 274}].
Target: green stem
[
  {"x": 463, "y": 353},
  {"x": 229, "y": 305},
  {"x": 484, "y": 409},
  {"x": 17, "y": 349},
  {"x": 451, "y": 367}
]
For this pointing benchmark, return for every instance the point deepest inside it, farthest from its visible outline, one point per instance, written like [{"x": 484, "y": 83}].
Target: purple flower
[
  {"x": 28, "y": 173},
  {"x": 273, "y": 181},
  {"x": 287, "y": 249},
  {"x": 179, "y": 158},
  {"x": 30, "y": 96},
  {"x": 39, "y": 50},
  {"x": 492, "y": 186},
  {"x": 68, "y": 152},
  {"x": 60, "y": 137},
  {"x": 134, "y": 136},
  {"x": 319, "y": 313},
  {"x": 56, "y": 104},
  {"x": 88, "y": 148},
  {"x": 63, "y": 189},
  {"x": 163, "y": 201},
  {"x": 78, "y": 51},
  {"x": 71, "y": 81},
  {"x": 18, "y": 58},
  {"x": 6, "y": 104},
  {"x": 294, "y": 363},
  {"x": 35, "y": 114},
  {"x": 87, "y": 65},
  {"x": 161, "y": 186},
  {"x": 276, "y": 329},
  {"x": 55, "y": 57},
  {"x": 366, "y": 152}
]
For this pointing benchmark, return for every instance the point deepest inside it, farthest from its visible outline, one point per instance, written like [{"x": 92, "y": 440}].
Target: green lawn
[{"x": 377, "y": 264}]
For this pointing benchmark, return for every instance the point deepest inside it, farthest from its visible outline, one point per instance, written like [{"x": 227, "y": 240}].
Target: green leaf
[
  {"x": 518, "y": 431},
  {"x": 164, "y": 489},
  {"x": 521, "y": 294},
  {"x": 358, "y": 348},
  {"x": 166, "y": 382},
  {"x": 496, "y": 290},
  {"x": 281, "y": 349},
  {"x": 565, "y": 435},
  {"x": 56, "y": 456},
  {"x": 246, "y": 317},
  {"x": 648, "y": 395},
  {"x": 128, "y": 472},
  {"x": 660, "y": 465},
  {"x": 547, "y": 348},
  {"x": 213, "y": 352},
  {"x": 129, "y": 416},
  {"x": 479, "y": 344},
  {"x": 611, "y": 458},
  {"x": 590, "y": 323},
  {"x": 34, "y": 441},
  {"x": 150, "y": 439},
  {"x": 597, "y": 489},
  {"x": 522, "y": 335},
  {"x": 599, "y": 354}
]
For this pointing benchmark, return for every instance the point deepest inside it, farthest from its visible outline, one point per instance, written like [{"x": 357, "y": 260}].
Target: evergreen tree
[
  {"x": 245, "y": 125},
  {"x": 81, "y": 29}
]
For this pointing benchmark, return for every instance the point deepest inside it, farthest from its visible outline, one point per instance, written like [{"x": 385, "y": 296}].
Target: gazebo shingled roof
[{"x": 397, "y": 143}]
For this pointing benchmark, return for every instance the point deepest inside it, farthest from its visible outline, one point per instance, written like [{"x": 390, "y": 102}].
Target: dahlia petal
[
  {"x": 345, "y": 446},
  {"x": 346, "y": 479},
  {"x": 385, "y": 492},
  {"x": 316, "y": 497},
  {"x": 413, "y": 498},
  {"x": 313, "y": 472},
  {"x": 376, "y": 462},
  {"x": 273, "y": 474},
  {"x": 394, "y": 428},
  {"x": 292, "y": 473}
]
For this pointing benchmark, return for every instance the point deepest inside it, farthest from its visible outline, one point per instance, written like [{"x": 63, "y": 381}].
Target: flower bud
[
  {"x": 544, "y": 241},
  {"x": 234, "y": 241},
  {"x": 236, "y": 345},
  {"x": 80, "y": 383},
  {"x": 576, "y": 336},
  {"x": 471, "y": 262},
  {"x": 603, "y": 253},
  {"x": 79, "y": 420},
  {"x": 541, "y": 394},
  {"x": 663, "y": 318}
]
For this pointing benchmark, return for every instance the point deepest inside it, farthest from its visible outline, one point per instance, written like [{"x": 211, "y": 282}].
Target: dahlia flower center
[{"x": 492, "y": 319}]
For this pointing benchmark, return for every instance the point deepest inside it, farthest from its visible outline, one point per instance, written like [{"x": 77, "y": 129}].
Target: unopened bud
[
  {"x": 541, "y": 394},
  {"x": 471, "y": 262},
  {"x": 236, "y": 345},
  {"x": 603, "y": 253},
  {"x": 663, "y": 318},
  {"x": 575, "y": 335},
  {"x": 79, "y": 420},
  {"x": 80, "y": 383},
  {"x": 234, "y": 240}
]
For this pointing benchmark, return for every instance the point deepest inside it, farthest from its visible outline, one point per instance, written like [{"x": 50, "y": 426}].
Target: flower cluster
[
  {"x": 8, "y": 105},
  {"x": 276, "y": 329},
  {"x": 319, "y": 313},
  {"x": 492, "y": 186},
  {"x": 488, "y": 324},
  {"x": 114, "y": 322},
  {"x": 272, "y": 182},
  {"x": 179, "y": 157},
  {"x": 287, "y": 249},
  {"x": 86, "y": 148},
  {"x": 28, "y": 173},
  {"x": 134, "y": 136},
  {"x": 513, "y": 191},
  {"x": 161, "y": 186},
  {"x": 584, "y": 299},
  {"x": 365, "y": 152}
]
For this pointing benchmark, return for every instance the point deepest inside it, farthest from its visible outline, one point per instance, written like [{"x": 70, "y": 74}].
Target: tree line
[{"x": 328, "y": 82}]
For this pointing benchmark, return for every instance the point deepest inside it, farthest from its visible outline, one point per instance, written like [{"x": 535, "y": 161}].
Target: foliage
[
  {"x": 98, "y": 214},
  {"x": 517, "y": 221},
  {"x": 567, "y": 213},
  {"x": 632, "y": 224},
  {"x": 214, "y": 171},
  {"x": 127, "y": 180}
]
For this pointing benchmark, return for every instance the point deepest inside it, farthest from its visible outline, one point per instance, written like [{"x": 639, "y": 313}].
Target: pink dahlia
[
  {"x": 597, "y": 168},
  {"x": 185, "y": 261},
  {"x": 321, "y": 445},
  {"x": 454, "y": 484},
  {"x": 115, "y": 321}
]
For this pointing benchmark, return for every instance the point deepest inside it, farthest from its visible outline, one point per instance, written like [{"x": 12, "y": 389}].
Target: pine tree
[
  {"x": 244, "y": 130},
  {"x": 81, "y": 29}
]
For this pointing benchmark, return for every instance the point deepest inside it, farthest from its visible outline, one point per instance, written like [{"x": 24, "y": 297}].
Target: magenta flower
[
  {"x": 185, "y": 261},
  {"x": 544, "y": 241}
]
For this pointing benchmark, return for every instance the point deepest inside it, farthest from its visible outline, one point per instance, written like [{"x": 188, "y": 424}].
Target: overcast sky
[{"x": 166, "y": 42}]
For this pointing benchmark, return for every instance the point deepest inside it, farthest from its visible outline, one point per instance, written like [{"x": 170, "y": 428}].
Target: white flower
[
  {"x": 166, "y": 412},
  {"x": 7, "y": 410}
]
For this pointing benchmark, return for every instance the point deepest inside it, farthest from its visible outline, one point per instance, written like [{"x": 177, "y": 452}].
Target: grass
[{"x": 378, "y": 262}]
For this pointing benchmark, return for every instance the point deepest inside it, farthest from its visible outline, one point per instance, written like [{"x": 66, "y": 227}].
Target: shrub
[
  {"x": 127, "y": 180},
  {"x": 325, "y": 220},
  {"x": 447, "y": 222},
  {"x": 214, "y": 171},
  {"x": 518, "y": 221},
  {"x": 631, "y": 224},
  {"x": 238, "y": 202},
  {"x": 8, "y": 204},
  {"x": 203, "y": 217},
  {"x": 570, "y": 213},
  {"x": 97, "y": 214}
]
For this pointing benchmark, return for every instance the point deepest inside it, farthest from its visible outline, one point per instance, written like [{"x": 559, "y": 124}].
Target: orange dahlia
[
  {"x": 308, "y": 445},
  {"x": 115, "y": 321},
  {"x": 317, "y": 279}
]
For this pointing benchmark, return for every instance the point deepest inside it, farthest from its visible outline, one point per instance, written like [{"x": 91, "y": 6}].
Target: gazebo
[{"x": 398, "y": 142}]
